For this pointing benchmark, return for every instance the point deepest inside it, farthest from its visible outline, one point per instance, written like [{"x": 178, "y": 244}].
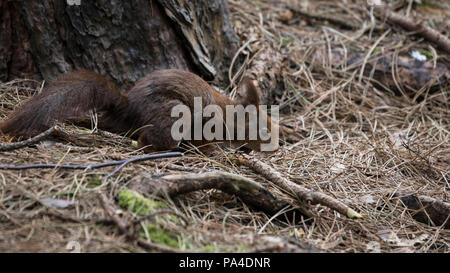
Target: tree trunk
[{"x": 123, "y": 40}]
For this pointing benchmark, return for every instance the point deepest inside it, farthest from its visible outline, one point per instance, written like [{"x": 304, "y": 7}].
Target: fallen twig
[
  {"x": 122, "y": 163},
  {"x": 111, "y": 211},
  {"x": 419, "y": 28},
  {"x": 46, "y": 144},
  {"x": 299, "y": 191},
  {"x": 35, "y": 139},
  {"x": 87, "y": 138}
]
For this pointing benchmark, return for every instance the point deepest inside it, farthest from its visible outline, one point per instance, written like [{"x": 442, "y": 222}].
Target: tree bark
[{"x": 123, "y": 40}]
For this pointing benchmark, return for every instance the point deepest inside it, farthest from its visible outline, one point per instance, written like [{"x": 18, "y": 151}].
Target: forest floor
[{"x": 372, "y": 135}]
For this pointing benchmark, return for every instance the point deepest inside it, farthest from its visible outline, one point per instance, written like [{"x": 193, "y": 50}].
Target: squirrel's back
[{"x": 163, "y": 88}]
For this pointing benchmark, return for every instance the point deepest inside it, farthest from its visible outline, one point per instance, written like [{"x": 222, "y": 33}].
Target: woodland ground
[{"x": 356, "y": 140}]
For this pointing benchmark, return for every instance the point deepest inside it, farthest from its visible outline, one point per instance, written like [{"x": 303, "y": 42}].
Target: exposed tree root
[{"x": 250, "y": 192}]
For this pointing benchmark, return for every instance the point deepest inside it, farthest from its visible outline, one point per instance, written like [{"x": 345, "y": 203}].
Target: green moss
[
  {"x": 208, "y": 248},
  {"x": 236, "y": 248},
  {"x": 161, "y": 236},
  {"x": 93, "y": 182},
  {"x": 64, "y": 193},
  {"x": 376, "y": 50},
  {"x": 242, "y": 247},
  {"x": 286, "y": 41},
  {"x": 427, "y": 53},
  {"x": 138, "y": 204}
]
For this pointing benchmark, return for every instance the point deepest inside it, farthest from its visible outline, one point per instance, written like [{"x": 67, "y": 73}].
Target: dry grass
[{"x": 356, "y": 143}]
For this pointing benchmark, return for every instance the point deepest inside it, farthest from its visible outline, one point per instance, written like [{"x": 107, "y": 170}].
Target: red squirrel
[{"x": 144, "y": 109}]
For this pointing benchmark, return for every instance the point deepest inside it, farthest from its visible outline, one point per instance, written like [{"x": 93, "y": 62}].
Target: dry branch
[
  {"x": 301, "y": 192},
  {"x": 47, "y": 144},
  {"x": 35, "y": 139},
  {"x": 250, "y": 192},
  {"x": 97, "y": 138},
  {"x": 419, "y": 28}
]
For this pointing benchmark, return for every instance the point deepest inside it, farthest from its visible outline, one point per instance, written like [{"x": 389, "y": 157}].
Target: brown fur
[
  {"x": 144, "y": 109},
  {"x": 68, "y": 98}
]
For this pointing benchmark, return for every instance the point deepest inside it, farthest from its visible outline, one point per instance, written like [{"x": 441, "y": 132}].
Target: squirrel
[{"x": 145, "y": 108}]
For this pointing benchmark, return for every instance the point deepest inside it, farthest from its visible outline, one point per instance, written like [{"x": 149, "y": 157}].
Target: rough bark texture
[
  {"x": 16, "y": 60},
  {"x": 122, "y": 40}
]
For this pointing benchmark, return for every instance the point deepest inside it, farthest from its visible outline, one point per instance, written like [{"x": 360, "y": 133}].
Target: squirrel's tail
[{"x": 69, "y": 98}]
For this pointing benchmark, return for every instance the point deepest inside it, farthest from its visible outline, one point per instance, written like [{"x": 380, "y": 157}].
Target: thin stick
[
  {"x": 93, "y": 166},
  {"x": 421, "y": 29},
  {"x": 35, "y": 139},
  {"x": 301, "y": 192}
]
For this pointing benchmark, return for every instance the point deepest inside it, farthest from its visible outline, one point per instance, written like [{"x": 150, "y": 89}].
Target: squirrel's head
[{"x": 261, "y": 132}]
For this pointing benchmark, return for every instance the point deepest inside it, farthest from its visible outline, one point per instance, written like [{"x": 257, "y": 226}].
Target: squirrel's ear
[{"x": 247, "y": 93}]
